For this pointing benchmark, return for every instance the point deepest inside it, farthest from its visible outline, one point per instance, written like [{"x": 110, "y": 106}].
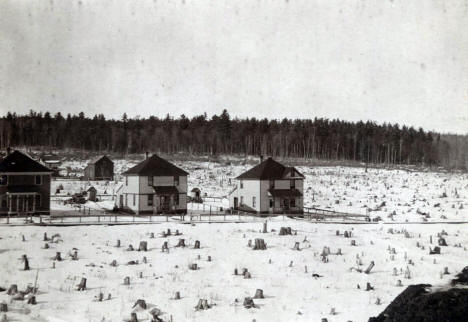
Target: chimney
[
  {"x": 8, "y": 150},
  {"x": 146, "y": 154},
  {"x": 261, "y": 158}
]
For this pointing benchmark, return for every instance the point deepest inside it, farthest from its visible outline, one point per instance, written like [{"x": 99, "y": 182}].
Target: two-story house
[
  {"x": 153, "y": 186},
  {"x": 24, "y": 185},
  {"x": 269, "y": 187}
]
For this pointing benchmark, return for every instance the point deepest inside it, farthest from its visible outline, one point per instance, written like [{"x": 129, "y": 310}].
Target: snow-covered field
[
  {"x": 291, "y": 293},
  {"x": 409, "y": 204}
]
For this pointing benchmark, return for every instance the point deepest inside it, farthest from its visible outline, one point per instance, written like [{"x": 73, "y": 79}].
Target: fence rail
[{"x": 322, "y": 214}]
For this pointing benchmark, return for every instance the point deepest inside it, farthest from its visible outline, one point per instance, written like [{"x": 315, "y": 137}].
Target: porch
[{"x": 284, "y": 201}]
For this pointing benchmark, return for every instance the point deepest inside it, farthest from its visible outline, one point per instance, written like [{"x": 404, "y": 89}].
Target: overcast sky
[{"x": 403, "y": 61}]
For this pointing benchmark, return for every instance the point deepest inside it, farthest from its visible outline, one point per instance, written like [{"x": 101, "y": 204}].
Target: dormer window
[
  {"x": 3, "y": 180},
  {"x": 38, "y": 180}
]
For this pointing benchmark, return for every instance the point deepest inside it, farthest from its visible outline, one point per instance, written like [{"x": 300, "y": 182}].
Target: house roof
[
  {"x": 285, "y": 193},
  {"x": 269, "y": 170},
  {"x": 21, "y": 162},
  {"x": 165, "y": 190},
  {"x": 95, "y": 160},
  {"x": 155, "y": 166},
  {"x": 195, "y": 190}
]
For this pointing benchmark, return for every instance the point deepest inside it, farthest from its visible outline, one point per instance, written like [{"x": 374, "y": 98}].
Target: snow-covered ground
[
  {"x": 291, "y": 293},
  {"x": 392, "y": 195},
  {"x": 408, "y": 202}
]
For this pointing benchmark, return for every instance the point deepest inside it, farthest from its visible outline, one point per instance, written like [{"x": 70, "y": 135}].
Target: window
[
  {"x": 176, "y": 181},
  {"x": 126, "y": 180},
  {"x": 38, "y": 180},
  {"x": 38, "y": 201},
  {"x": 3, "y": 180},
  {"x": 242, "y": 200},
  {"x": 134, "y": 199},
  {"x": 241, "y": 185},
  {"x": 271, "y": 203},
  {"x": 254, "y": 201},
  {"x": 272, "y": 184},
  {"x": 293, "y": 184},
  {"x": 150, "y": 181},
  {"x": 150, "y": 200}
]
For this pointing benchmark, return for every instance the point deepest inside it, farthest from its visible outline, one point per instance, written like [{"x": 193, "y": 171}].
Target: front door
[
  {"x": 236, "y": 203},
  {"x": 164, "y": 203},
  {"x": 286, "y": 204}
]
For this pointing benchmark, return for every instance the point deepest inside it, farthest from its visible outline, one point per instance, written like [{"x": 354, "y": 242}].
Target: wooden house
[
  {"x": 153, "y": 186},
  {"x": 51, "y": 161},
  {"x": 24, "y": 185},
  {"x": 101, "y": 168},
  {"x": 269, "y": 187}
]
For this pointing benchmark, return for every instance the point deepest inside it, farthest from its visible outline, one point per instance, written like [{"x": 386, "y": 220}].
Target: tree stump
[
  {"x": 369, "y": 268},
  {"x": 168, "y": 232},
  {"x": 296, "y": 246},
  {"x": 58, "y": 257},
  {"x": 133, "y": 317},
  {"x": 247, "y": 275},
  {"x": 151, "y": 235},
  {"x": 23, "y": 238},
  {"x": 249, "y": 243},
  {"x": 141, "y": 275},
  {"x": 177, "y": 232},
  {"x": 13, "y": 289},
  {"x": 193, "y": 266},
  {"x": 141, "y": 303},
  {"x": 144, "y": 260},
  {"x": 143, "y": 246},
  {"x": 258, "y": 294},
  {"x": 259, "y": 244},
  {"x": 369, "y": 287},
  {"x": 45, "y": 237},
  {"x": 130, "y": 248},
  {"x": 248, "y": 303},
  {"x": 109, "y": 296},
  {"x": 75, "y": 255},
  {"x": 202, "y": 305},
  {"x": 126, "y": 280},
  {"x": 399, "y": 284},
  {"x": 346, "y": 235},
  {"x": 118, "y": 243},
  {"x": 339, "y": 252},
  {"x": 46, "y": 246},
  {"x": 209, "y": 258},
  {"x": 3, "y": 307},
  {"x": 435, "y": 251},
  {"x": 165, "y": 247},
  {"x": 113, "y": 263},
  {"x": 264, "y": 228},
  {"x": 235, "y": 271},
  {"x": 181, "y": 243},
  {"x": 197, "y": 244},
  {"x": 82, "y": 285},
  {"x": 177, "y": 295},
  {"x": 446, "y": 272},
  {"x": 353, "y": 242},
  {"x": 26, "y": 263},
  {"x": 337, "y": 233}
]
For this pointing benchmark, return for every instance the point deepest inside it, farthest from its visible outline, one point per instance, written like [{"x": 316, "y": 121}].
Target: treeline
[{"x": 318, "y": 138}]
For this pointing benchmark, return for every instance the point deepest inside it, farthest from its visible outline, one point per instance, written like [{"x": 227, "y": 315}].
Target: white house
[
  {"x": 269, "y": 187},
  {"x": 153, "y": 186}
]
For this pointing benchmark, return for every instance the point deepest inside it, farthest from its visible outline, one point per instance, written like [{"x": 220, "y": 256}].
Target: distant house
[
  {"x": 269, "y": 187},
  {"x": 153, "y": 186},
  {"x": 92, "y": 193},
  {"x": 24, "y": 185},
  {"x": 51, "y": 161},
  {"x": 101, "y": 168}
]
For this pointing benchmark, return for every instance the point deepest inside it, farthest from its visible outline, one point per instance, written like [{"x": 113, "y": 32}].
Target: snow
[{"x": 290, "y": 293}]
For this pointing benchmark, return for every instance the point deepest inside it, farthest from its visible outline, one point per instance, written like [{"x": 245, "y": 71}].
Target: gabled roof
[
  {"x": 269, "y": 170},
  {"x": 20, "y": 162},
  {"x": 155, "y": 166},
  {"x": 95, "y": 160}
]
